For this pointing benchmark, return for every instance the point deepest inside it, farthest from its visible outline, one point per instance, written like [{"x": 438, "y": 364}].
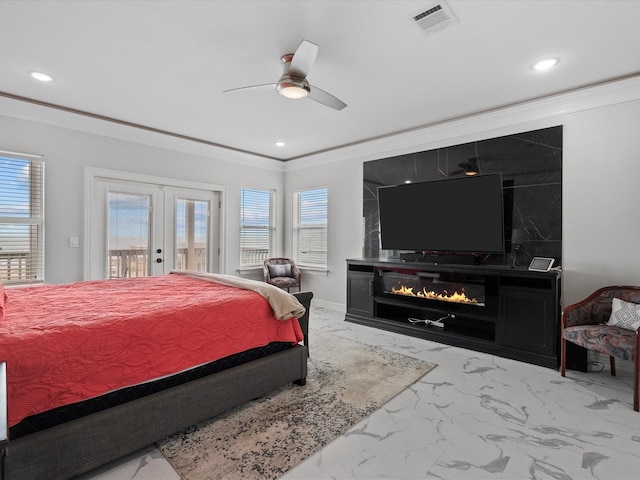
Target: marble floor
[{"x": 475, "y": 416}]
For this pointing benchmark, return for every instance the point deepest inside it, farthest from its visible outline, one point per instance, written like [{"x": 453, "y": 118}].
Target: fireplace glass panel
[{"x": 440, "y": 286}]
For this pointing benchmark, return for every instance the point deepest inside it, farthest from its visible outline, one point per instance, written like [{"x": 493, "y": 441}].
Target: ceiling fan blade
[
  {"x": 264, "y": 86},
  {"x": 325, "y": 98},
  {"x": 303, "y": 59}
]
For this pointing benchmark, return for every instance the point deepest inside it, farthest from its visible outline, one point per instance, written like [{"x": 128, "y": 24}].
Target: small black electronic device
[{"x": 541, "y": 264}]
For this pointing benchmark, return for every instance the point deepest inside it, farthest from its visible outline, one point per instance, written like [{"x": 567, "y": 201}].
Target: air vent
[{"x": 435, "y": 18}]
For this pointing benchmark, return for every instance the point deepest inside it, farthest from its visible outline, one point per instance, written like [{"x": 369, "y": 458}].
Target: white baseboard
[{"x": 340, "y": 307}]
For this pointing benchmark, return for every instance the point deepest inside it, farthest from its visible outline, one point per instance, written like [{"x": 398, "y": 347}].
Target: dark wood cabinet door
[
  {"x": 528, "y": 321},
  {"x": 360, "y": 294}
]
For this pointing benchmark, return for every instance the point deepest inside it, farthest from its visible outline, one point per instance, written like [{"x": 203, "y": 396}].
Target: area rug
[{"x": 346, "y": 382}]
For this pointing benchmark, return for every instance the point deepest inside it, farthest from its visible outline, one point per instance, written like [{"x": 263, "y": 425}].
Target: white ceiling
[{"x": 164, "y": 64}]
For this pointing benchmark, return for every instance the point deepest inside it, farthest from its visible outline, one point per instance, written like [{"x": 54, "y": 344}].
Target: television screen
[{"x": 453, "y": 215}]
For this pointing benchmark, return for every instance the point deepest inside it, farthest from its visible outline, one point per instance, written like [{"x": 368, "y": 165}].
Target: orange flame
[{"x": 455, "y": 297}]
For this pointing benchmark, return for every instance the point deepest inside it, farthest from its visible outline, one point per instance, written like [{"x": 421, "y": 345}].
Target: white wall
[
  {"x": 601, "y": 217},
  {"x": 67, "y": 152}
]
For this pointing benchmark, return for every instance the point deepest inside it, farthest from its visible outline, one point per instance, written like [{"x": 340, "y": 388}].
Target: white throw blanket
[{"x": 283, "y": 304}]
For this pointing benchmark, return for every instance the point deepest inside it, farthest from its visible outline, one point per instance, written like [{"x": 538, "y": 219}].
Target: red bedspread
[{"x": 67, "y": 343}]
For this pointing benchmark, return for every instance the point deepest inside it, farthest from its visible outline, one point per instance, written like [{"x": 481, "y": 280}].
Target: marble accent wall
[{"x": 531, "y": 167}]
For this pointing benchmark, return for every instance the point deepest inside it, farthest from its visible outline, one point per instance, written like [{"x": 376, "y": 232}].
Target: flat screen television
[{"x": 444, "y": 216}]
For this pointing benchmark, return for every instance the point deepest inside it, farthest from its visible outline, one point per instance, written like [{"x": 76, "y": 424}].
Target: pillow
[
  {"x": 280, "y": 270},
  {"x": 624, "y": 315}
]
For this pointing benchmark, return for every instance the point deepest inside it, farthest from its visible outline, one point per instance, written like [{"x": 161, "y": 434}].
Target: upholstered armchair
[
  {"x": 281, "y": 272},
  {"x": 590, "y": 324}
]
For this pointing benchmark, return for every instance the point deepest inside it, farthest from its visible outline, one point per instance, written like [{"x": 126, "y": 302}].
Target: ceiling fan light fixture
[
  {"x": 293, "y": 92},
  {"x": 292, "y": 88},
  {"x": 470, "y": 167}
]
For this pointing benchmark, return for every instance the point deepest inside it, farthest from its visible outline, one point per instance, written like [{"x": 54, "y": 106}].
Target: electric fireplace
[
  {"x": 454, "y": 301},
  {"x": 462, "y": 289}
]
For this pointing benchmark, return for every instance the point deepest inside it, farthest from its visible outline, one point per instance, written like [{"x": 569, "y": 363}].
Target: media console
[{"x": 505, "y": 311}]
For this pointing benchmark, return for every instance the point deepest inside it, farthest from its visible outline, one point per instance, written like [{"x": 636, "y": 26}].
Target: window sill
[
  {"x": 22, "y": 285},
  {"x": 249, "y": 269},
  {"x": 252, "y": 269},
  {"x": 314, "y": 270}
]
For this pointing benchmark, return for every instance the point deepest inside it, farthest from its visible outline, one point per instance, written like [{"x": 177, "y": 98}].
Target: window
[
  {"x": 21, "y": 219},
  {"x": 257, "y": 226},
  {"x": 310, "y": 227}
]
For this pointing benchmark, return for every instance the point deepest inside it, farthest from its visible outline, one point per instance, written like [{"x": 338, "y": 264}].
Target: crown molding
[{"x": 40, "y": 112}]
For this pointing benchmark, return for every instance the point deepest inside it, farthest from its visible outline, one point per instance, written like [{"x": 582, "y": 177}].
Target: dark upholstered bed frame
[{"x": 80, "y": 445}]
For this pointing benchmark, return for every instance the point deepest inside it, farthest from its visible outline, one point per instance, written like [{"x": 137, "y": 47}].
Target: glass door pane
[
  {"x": 129, "y": 235},
  {"x": 192, "y": 235}
]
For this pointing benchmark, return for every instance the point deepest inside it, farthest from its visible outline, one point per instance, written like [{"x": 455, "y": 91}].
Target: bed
[{"x": 149, "y": 357}]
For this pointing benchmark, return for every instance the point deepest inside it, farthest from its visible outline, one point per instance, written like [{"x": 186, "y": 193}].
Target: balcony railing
[
  {"x": 14, "y": 266},
  {"x": 128, "y": 263},
  {"x": 135, "y": 262},
  {"x": 253, "y": 256},
  {"x": 195, "y": 260}
]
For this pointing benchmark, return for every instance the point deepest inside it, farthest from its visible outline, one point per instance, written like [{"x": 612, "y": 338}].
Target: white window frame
[
  {"x": 246, "y": 260},
  {"x": 304, "y": 208},
  {"x": 29, "y": 263}
]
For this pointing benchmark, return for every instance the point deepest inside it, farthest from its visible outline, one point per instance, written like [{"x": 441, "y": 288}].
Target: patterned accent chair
[
  {"x": 585, "y": 324},
  {"x": 281, "y": 272}
]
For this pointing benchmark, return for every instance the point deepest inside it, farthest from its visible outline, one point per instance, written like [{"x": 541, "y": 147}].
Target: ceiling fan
[
  {"x": 469, "y": 167},
  {"x": 293, "y": 82}
]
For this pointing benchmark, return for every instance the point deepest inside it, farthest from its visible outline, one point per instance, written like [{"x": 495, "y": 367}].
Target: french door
[
  {"x": 141, "y": 229},
  {"x": 192, "y": 238}
]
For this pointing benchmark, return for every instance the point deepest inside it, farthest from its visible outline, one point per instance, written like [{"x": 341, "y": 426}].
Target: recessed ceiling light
[
  {"x": 545, "y": 64},
  {"x": 407, "y": 181},
  {"x": 43, "y": 77},
  {"x": 280, "y": 144}
]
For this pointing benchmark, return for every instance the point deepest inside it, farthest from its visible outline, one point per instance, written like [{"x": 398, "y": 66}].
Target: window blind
[
  {"x": 310, "y": 227},
  {"x": 21, "y": 219},
  {"x": 257, "y": 225}
]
